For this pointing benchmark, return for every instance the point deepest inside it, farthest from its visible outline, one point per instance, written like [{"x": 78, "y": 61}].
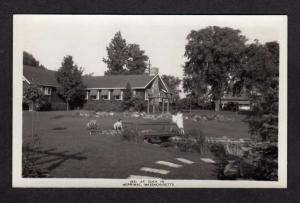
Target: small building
[{"x": 241, "y": 103}]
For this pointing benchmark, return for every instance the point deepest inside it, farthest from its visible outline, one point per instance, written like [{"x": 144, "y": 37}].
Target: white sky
[{"x": 50, "y": 37}]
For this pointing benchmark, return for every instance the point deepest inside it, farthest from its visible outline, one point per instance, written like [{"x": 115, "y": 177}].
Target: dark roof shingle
[
  {"x": 117, "y": 81},
  {"x": 47, "y": 78},
  {"x": 40, "y": 76}
]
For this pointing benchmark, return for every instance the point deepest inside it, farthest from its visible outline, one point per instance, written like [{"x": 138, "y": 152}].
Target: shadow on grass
[
  {"x": 57, "y": 117},
  {"x": 52, "y": 158},
  {"x": 59, "y": 128}
]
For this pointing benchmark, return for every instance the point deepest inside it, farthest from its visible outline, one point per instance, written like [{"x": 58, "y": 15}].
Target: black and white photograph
[{"x": 143, "y": 101}]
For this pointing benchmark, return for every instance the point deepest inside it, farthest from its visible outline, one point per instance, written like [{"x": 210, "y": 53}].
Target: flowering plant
[{"x": 92, "y": 125}]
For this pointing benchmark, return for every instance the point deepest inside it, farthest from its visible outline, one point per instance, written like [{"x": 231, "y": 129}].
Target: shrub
[
  {"x": 263, "y": 160},
  {"x": 138, "y": 104},
  {"x": 199, "y": 138},
  {"x": 103, "y": 105},
  {"x": 219, "y": 151},
  {"x": 92, "y": 125},
  {"x": 131, "y": 134},
  {"x": 185, "y": 145},
  {"x": 58, "y": 106}
]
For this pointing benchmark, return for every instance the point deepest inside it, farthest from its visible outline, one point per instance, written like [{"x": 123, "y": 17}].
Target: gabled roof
[
  {"x": 40, "y": 76},
  {"x": 117, "y": 81},
  {"x": 47, "y": 78}
]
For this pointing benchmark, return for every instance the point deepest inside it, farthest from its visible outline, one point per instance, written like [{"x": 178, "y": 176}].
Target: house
[
  {"x": 242, "y": 102},
  {"x": 46, "y": 81},
  {"x": 148, "y": 87}
]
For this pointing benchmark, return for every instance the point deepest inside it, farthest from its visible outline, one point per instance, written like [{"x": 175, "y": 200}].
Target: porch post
[
  {"x": 163, "y": 105},
  {"x": 168, "y": 106},
  {"x": 148, "y": 107},
  {"x": 153, "y": 108}
]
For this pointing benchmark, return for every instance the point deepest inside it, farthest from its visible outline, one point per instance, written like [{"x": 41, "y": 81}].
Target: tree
[
  {"x": 69, "y": 77},
  {"x": 123, "y": 58},
  {"x": 117, "y": 55},
  {"x": 33, "y": 96},
  {"x": 261, "y": 79},
  {"x": 137, "y": 60},
  {"x": 28, "y": 59},
  {"x": 214, "y": 57},
  {"x": 172, "y": 83},
  {"x": 127, "y": 97}
]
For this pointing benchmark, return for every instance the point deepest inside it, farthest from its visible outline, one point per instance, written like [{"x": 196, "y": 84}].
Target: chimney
[{"x": 153, "y": 71}]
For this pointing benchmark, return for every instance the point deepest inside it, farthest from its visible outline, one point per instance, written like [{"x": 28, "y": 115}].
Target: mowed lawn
[{"x": 68, "y": 151}]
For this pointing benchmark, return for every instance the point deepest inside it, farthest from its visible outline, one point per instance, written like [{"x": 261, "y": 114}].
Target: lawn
[{"x": 67, "y": 150}]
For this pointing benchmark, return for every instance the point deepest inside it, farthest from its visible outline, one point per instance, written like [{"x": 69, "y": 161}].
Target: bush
[
  {"x": 92, "y": 125},
  {"x": 264, "y": 162},
  {"x": 138, "y": 104},
  {"x": 58, "y": 106},
  {"x": 131, "y": 134},
  {"x": 45, "y": 106},
  {"x": 103, "y": 105},
  {"x": 200, "y": 144},
  {"x": 25, "y": 106}
]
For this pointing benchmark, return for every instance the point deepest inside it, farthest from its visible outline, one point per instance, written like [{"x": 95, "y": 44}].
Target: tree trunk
[
  {"x": 217, "y": 105},
  {"x": 67, "y": 105}
]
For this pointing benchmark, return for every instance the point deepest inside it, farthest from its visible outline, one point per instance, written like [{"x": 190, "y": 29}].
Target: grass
[{"x": 67, "y": 150}]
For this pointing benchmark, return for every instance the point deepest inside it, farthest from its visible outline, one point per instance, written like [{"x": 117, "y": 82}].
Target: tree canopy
[
  {"x": 213, "y": 59},
  {"x": 137, "y": 60},
  {"x": 123, "y": 58},
  {"x": 33, "y": 95},
  {"x": 69, "y": 76},
  {"x": 261, "y": 79},
  {"x": 172, "y": 83},
  {"x": 28, "y": 59}
]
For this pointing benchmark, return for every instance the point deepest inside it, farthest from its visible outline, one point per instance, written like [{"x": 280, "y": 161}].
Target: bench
[{"x": 154, "y": 130}]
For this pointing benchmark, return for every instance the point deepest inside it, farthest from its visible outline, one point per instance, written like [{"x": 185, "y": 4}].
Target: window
[
  {"x": 47, "y": 91},
  {"x": 104, "y": 97},
  {"x": 134, "y": 93},
  {"x": 117, "y": 97},
  {"x": 93, "y": 97}
]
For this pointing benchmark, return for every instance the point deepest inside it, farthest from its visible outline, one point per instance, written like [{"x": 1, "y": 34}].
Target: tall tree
[
  {"x": 261, "y": 79},
  {"x": 117, "y": 55},
  {"x": 172, "y": 83},
  {"x": 28, "y": 59},
  {"x": 213, "y": 59},
  {"x": 123, "y": 58},
  {"x": 69, "y": 76},
  {"x": 137, "y": 60}
]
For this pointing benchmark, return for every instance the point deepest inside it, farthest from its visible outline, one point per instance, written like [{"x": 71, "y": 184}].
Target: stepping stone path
[
  {"x": 154, "y": 170},
  {"x": 160, "y": 171},
  {"x": 208, "y": 160},
  {"x": 168, "y": 164},
  {"x": 186, "y": 161}
]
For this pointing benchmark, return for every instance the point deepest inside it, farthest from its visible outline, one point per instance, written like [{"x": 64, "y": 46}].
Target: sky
[{"x": 163, "y": 38}]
